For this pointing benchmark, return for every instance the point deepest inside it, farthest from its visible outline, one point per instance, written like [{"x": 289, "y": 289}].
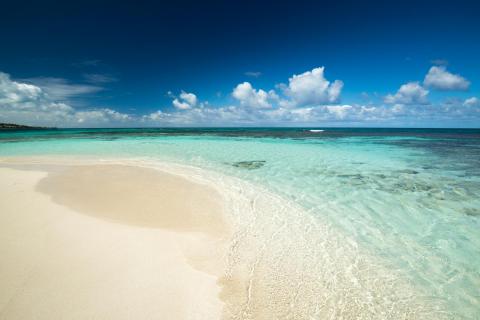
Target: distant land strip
[{"x": 13, "y": 126}]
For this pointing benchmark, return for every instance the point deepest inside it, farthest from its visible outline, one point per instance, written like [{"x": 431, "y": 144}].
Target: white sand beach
[{"x": 66, "y": 255}]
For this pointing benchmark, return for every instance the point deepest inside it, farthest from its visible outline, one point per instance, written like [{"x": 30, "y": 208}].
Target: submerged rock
[
  {"x": 250, "y": 165},
  {"x": 412, "y": 186},
  {"x": 408, "y": 171},
  {"x": 472, "y": 212}
]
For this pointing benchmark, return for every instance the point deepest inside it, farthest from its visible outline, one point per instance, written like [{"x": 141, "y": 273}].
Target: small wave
[{"x": 316, "y": 130}]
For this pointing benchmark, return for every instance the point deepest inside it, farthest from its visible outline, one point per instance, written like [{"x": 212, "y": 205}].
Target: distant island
[{"x": 13, "y": 126}]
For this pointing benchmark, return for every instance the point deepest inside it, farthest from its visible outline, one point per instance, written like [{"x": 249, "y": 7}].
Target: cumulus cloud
[
  {"x": 339, "y": 111},
  {"x": 26, "y": 103},
  {"x": 250, "y": 97},
  {"x": 311, "y": 88},
  {"x": 409, "y": 93},
  {"x": 185, "y": 101},
  {"x": 307, "y": 89},
  {"x": 102, "y": 115},
  {"x": 227, "y": 115},
  {"x": 472, "y": 102},
  {"x": 307, "y": 97},
  {"x": 439, "y": 78}
]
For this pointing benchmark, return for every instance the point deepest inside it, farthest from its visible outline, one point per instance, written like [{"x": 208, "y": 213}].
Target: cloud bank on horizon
[{"x": 307, "y": 99}]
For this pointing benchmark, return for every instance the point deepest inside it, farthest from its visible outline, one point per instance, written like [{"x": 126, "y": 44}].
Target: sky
[{"x": 240, "y": 63}]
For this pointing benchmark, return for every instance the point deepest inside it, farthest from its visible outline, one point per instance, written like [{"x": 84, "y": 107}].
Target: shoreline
[{"x": 285, "y": 265}]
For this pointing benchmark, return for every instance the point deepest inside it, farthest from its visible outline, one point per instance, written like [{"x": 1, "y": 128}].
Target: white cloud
[
  {"x": 311, "y": 88},
  {"x": 472, "y": 102},
  {"x": 25, "y": 103},
  {"x": 398, "y": 108},
  {"x": 180, "y": 105},
  {"x": 409, "y": 93},
  {"x": 307, "y": 89},
  {"x": 250, "y": 97},
  {"x": 60, "y": 89},
  {"x": 185, "y": 101},
  {"x": 439, "y": 78},
  {"x": 190, "y": 98},
  {"x": 339, "y": 111},
  {"x": 100, "y": 116},
  {"x": 227, "y": 115},
  {"x": 239, "y": 115}
]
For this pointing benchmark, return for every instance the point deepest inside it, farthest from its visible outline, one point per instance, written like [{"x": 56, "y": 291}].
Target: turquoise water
[{"x": 407, "y": 196}]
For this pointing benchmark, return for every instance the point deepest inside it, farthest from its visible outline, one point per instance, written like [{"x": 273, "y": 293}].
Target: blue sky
[{"x": 318, "y": 63}]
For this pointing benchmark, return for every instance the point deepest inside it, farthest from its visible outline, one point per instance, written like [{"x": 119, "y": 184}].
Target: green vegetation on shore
[{"x": 13, "y": 126}]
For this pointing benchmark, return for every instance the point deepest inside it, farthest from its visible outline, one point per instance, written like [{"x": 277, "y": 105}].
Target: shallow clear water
[{"x": 407, "y": 196}]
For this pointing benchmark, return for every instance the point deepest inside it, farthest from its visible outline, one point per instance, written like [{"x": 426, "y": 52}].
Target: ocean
[{"x": 409, "y": 198}]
